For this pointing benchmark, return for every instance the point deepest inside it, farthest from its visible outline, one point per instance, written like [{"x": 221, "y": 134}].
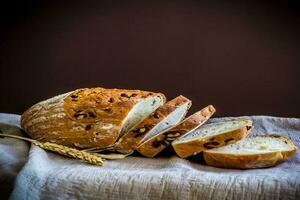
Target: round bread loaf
[{"x": 90, "y": 117}]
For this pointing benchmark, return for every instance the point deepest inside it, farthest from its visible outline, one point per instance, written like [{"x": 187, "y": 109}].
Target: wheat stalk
[
  {"x": 111, "y": 156},
  {"x": 91, "y": 158}
]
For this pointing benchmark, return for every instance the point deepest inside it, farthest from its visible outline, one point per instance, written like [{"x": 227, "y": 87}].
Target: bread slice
[
  {"x": 151, "y": 145},
  {"x": 252, "y": 152},
  {"x": 89, "y": 118},
  {"x": 164, "y": 117},
  {"x": 211, "y": 135}
]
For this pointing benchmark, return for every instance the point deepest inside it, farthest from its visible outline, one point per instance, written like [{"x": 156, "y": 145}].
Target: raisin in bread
[
  {"x": 151, "y": 145},
  {"x": 211, "y": 135},
  {"x": 88, "y": 118},
  {"x": 164, "y": 117},
  {"x": 252, "y": 152}
]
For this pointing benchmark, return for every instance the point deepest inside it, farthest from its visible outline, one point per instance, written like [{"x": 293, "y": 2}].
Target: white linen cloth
[{"x": 33, "y": 173}]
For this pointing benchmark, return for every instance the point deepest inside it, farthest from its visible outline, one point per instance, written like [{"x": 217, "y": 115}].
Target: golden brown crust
[
  {"x": 154, "y": 145},
  {"x": 193, "y": 147},
  {"x": 247, "y": 161},
  {"x": 84, "y": 118},
  {"x": 128, "y": 142}
]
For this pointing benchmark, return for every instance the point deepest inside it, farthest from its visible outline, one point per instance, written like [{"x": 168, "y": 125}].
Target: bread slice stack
[
  {"x": 210, "y": 136},
  {"x": 97, "y": 119},
  {"x": 152, "y": 144},
  {"x": 166, "y": 116},
  {"x": 228, "y": 144}
]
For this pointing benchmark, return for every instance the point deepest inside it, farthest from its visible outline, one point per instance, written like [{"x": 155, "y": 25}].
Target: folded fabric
[
  {"x": 46, "y": 175},
  {"x": 13, "y": 153}
]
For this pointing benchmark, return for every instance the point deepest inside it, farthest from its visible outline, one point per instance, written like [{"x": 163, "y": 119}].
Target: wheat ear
[{"x": 91, "y": 158}]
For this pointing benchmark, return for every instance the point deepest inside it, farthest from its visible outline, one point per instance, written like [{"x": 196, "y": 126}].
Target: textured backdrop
[{"x": 241, "y": 57}]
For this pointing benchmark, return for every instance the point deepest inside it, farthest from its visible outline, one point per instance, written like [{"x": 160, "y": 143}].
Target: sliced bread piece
[
  {"x": 211, "y": 135},
  {"x": 252, "y": 152},
  {"x": 90, "y": 117},
  {"x": 164, "y": 117},
  {"x": 151, "y": 145}
]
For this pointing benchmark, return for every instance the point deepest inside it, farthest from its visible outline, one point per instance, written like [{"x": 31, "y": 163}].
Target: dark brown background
[{"x": 241, "y": 57}]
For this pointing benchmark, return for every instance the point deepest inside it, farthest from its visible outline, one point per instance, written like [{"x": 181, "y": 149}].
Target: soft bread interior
[
  {"x": 169, "y": 121},
  {"x": 254, "y": 145},
  {"x": 140, "y": 111},
  {"x": 209, "y": 130}
]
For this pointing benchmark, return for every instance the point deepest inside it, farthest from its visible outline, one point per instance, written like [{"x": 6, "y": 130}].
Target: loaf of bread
[
  {"x": 210, "y": 136},
  {"x": 153, "y": 144},
  {"x": 252, "y": 152},
  {"x": 89, "y": 118},
  {"x": 97, "y": 119},
  {"x": 164, "y": 117}
]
